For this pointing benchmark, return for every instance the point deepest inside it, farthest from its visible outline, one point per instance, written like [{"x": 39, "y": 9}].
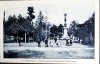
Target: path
[{"x": 30, "y": 50}]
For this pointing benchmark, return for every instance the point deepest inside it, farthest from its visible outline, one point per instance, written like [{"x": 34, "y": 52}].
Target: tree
[
  {"x": 81, "y": 32},
  {"x": 90, "y": 23},
  {"x": 40, "y": 27},
  {"x": 60, "y": 30},
  {"x": 72, "y": 28},
  {"x": 86, "y": 30},
  {"x": 11, "y": 20},
  {"x": 19, "y": 27},
  {"x": 54, "y": 31}
]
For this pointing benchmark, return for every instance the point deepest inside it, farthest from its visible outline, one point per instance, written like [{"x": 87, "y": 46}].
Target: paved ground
[
  {"x": 62, "y": 44},
  {"x": 30, "y": 50}
]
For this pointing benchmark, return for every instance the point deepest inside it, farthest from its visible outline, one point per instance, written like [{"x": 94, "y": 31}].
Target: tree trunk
[
  {"x": 33, "y": 37},
  {"x": 25, "y": 37},
  {"x": 84, "y": 42},
  {"x": 79, "y": 41},
  {"x": 17, "y": 39}
]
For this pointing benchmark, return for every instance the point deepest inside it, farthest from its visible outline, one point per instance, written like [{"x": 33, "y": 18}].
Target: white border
[{"x": 68, "y": 61}]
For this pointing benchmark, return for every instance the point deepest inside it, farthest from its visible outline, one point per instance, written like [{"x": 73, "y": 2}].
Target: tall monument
[{"x": 65, "y": 35}]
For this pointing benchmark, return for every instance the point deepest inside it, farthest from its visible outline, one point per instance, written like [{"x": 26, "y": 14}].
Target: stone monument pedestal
[{"x": 65, "y": 35}]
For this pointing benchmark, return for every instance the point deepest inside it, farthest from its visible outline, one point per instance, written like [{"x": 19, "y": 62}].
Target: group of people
[
  {"x": 49, "y": 42},
  {"x": 68, "y": 42}
]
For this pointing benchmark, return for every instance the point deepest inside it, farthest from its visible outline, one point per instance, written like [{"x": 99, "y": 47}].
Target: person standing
[
  {"x": 46, "y": 42},
  {"x": 19, "y": 41},
  {"x": 55, "y": 39},
  {"x": 51, "y": 42},
  {"x": 70, "y": 42},
  {"x": 67, "y": 43},
  {"x": 39, "y": 42}
]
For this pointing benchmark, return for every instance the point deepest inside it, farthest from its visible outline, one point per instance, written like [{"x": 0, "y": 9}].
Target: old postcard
[{"x": 49, "y": 31}]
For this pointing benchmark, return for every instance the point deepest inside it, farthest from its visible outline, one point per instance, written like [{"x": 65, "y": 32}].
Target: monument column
[{"x": 65, "y": 35}]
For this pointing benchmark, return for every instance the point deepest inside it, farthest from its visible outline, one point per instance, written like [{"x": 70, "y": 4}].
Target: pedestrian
[
  {"x": 51, "y": 42},
  {"x": 67, "y": 43},
  {"x": 57, "y": 44},
  {"x": 46, "y": 42},
  {"x": 71, "y": 42},
  {"x": 55, "y": 39},
  {"x": 19, "y": 41},
  {"x": 38, "y": 41}
]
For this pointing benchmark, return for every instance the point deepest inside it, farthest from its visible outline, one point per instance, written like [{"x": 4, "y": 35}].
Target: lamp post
[
  {"x": 46, "y": 22},
  {"x": 25, "y": 37},
  {"x": 4, "y": 28}
]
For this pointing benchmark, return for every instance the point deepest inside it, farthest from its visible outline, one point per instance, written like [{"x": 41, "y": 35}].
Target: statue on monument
[{"x": 65, "y": 20}]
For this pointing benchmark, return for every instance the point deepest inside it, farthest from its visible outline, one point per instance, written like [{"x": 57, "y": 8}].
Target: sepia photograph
[{"x": 53, "y": 30}]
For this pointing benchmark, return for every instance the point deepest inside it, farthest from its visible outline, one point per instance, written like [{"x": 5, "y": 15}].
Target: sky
[{"x": 77, "y": 10}]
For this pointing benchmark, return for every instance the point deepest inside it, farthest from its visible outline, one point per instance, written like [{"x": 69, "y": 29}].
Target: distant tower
[
  {"x": 46, "y": 15},
  {"x": 65, "y": 35},
  {"x": 46, "y": 18}
]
